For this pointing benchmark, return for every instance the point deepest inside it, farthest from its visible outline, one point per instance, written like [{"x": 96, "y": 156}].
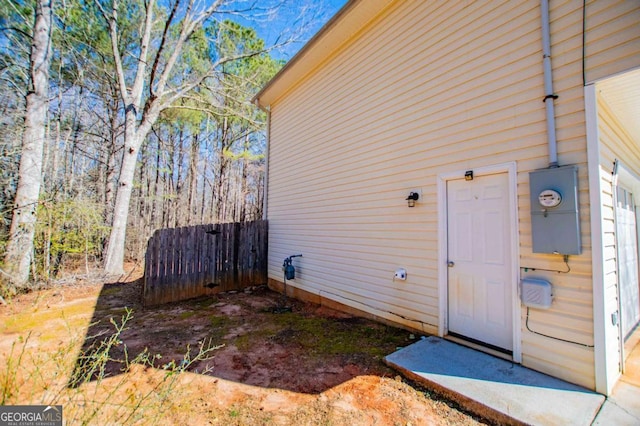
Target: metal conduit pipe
[{"x": 548, "y": 85}]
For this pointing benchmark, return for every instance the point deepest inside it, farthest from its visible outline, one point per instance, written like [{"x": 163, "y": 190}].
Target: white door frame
[{"x": 511, "y": 170}]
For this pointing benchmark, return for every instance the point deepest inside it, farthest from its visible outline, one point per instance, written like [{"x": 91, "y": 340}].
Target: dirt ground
[{"x": 306, "y": 365}]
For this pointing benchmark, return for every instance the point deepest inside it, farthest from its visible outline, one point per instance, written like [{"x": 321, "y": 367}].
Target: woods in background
[{"x": 146, "y": 123}]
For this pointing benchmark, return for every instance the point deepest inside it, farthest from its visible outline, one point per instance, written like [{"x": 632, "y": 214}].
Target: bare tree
[
  {"x": 21, "y": 235},
  {"x": 153, "y": 87},
  {"x": 117, "y": 68}
]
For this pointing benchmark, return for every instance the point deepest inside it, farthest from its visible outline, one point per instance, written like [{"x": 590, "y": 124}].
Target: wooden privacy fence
[{"x": 183, "y": 263}]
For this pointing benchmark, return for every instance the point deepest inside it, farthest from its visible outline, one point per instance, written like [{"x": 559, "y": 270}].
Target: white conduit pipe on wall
[{"x": 548, "y": 85}]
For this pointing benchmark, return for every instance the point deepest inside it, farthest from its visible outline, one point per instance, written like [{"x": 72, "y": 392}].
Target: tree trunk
[
  {"x": 70, "y": 174},
  {"x": 244, "y": 187},
  {"x": 20, "y": 244},
  {"x": 169, "y": 184},
  {"x": 177, "y": 200},
  {"x": 221, "y": 195},
  {"x": 134, "y": 136},
  {"x": 110, "y": 178},
  {"x": 140, "y": 214},
  {"x": 203, "y": 192},
  {"x": 193, "y": 179},
  {"x": 114, "y": 258},
  {"x": 157, "y": 194}
]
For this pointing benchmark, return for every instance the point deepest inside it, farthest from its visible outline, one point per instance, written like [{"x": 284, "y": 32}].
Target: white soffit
[{"x": 622, "y": 94}]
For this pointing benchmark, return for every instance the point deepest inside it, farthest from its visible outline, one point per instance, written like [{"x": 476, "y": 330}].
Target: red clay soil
[{"x": 310, "y": 366}]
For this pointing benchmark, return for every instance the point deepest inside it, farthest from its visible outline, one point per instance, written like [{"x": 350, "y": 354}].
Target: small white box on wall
[
  {"x": 536, "y": 293},
  {"x": 401, "y": 274}
]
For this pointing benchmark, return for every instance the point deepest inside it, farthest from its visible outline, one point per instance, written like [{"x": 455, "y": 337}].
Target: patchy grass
[
  {"x": 188, "y": 314},
  {"x": 329, "y": 336},
  {"x": 110, "y": 290},
  {"x": 316, "y": 335},
  {"x": 48, "y": 324},
  {"x": 218, "y": 322}
]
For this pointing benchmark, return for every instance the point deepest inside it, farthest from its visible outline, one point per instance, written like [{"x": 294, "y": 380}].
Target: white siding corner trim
[
  {"x": 604, "y": 380},
  {"x": 265, "y": 197},
  {"x": 511, "y": 169}
]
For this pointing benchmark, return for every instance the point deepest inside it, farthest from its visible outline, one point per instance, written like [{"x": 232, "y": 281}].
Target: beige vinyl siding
[
  {"x": 613, "y": 38},
  {"x": 361, "y": 166},
  {"x": 429, "y": 88}
]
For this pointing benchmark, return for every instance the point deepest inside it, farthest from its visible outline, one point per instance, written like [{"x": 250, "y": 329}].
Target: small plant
[
  {"x": 9, "y": 381},
  {"x": 84, "y": 387},
  {"x": 92, "y": 362}
]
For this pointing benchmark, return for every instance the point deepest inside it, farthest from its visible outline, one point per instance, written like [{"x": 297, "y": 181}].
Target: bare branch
[
  {"x": 24, "y": 18},
  {"x": 138, "y": 83},
  {"x": 188, "y": 27},
  {"x": 163, "y": 41},
  {"x": 173, "y": 95},
  {"x": 15, "y": 86},
  {"x": 112, "y": 23},
  {"x": 17, "y": 30}
]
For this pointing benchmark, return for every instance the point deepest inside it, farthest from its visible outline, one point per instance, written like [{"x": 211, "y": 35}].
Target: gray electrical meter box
[{"x": 555, "y": 220}]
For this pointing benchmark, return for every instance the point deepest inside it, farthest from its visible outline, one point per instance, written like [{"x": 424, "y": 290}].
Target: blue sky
[{"x": 300, "y": 18}]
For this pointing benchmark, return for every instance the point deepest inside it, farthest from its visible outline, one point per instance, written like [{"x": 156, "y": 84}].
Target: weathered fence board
[{"x": 183, "y": 263}]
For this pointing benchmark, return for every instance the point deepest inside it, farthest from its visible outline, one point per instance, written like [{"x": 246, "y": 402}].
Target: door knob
[{"x": 450, "y": 264}]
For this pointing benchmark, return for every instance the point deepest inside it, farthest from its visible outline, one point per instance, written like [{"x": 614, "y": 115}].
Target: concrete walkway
[
  {"x": 623, "y": 406},
  {"x": 508, "y": 393}
]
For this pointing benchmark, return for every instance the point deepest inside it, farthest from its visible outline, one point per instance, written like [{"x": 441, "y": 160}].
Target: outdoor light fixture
[{"x": 412, "y": 198}]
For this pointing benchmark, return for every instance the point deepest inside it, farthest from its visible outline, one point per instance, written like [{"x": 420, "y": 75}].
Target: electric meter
[
  {"x": 555, "y": 219},
  {"x": 549, "y": 198}
]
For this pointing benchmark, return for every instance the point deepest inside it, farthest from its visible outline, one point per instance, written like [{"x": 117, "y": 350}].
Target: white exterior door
[
  {"x": 627, "y": 240},
  {"x": 479, "y": 259}
]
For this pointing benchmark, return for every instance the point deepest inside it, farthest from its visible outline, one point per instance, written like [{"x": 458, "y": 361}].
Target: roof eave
[{"x": 340, "y": 28}]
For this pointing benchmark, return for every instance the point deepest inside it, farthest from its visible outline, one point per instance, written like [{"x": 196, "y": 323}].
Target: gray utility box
[{"x": 555, "y": 220}]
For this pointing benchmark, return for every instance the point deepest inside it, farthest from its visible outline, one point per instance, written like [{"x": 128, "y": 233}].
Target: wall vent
[{"x": 536, "y": 293}]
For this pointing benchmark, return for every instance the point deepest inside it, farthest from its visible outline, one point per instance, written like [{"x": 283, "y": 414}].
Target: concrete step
[{"x": 494, "y": 388}]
